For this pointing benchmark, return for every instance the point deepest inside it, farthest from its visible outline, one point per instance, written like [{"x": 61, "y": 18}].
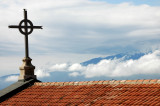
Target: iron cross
[{"x": 25, "y": 27}]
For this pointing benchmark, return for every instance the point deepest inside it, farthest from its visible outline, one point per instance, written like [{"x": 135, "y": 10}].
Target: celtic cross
[{"x": 26, "y": 27}]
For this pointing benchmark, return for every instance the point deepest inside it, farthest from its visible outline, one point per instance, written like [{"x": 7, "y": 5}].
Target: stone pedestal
[{"x": 26, "y": 70}]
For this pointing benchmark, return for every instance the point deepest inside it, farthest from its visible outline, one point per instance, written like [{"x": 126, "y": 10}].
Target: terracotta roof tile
[
  {"x": 95, "y": 93},
  {"x": 80, "y": 83},
  {"x": 139, "y": 81},
  {"x": 105, "y": 82},
  {"x": 75, "y": 83},
  {"x": 146, "y": 81},
  {"x": 65, "y": 83},
  {"x": 153, "y": 81},
  {"x": 90, "y": 82},
  {"x": 85, "y": 83}
]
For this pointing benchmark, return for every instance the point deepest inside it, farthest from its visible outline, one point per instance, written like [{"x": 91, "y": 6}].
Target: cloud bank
[
  {"x": 41, "y": 73},
  {"x": 147, "y": 64},
  {"x": 12, "y": 78},
  {"x": 73, "y": 26},
  {"x": 115, "y": 68}
]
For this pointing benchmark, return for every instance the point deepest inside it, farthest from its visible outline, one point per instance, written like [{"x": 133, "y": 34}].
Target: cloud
[
  {"x": 147, "y": 64},
  {"x": 12, "y": 78},
  {"x": 74, "y": 74},
  {"x": 76, "y": 67},
  {"x": 145, "y": 32},
  {"x": 59, "y": 67},
  {"x": 42, "y": 73},
  {"x": 73, "y": 26}
]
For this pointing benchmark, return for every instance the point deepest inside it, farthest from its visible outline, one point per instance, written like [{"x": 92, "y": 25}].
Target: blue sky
[{"x": 75, "y": 31}]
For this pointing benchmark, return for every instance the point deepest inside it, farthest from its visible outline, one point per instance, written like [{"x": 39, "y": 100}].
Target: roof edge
[
  {"x": 15, "y": 88},
  {"x": 142, "y": 81}
]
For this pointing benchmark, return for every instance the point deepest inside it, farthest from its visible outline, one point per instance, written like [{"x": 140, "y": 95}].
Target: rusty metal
[{"x": 25, "y": 29}]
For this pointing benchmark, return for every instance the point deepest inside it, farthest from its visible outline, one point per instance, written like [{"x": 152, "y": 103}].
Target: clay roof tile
[{"x": 115, "y": 92}]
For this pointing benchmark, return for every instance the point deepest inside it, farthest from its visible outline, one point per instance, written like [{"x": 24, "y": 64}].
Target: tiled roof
[{"x": 95, "y": 93}]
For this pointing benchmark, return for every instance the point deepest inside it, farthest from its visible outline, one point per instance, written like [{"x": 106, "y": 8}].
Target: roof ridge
[{"x": 139, "y": 81}]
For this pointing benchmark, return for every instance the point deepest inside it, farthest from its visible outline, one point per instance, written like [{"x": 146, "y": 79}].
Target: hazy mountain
[
  {"x": 3, "y": 80},
  {"x": 117, "y": 56}
]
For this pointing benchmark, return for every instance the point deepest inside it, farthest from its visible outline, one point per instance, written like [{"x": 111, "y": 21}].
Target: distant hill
[
  {"x": 3, "y": 83},
  {"x": 126, "y": 57},
  {"x": 6, "y": 76}
]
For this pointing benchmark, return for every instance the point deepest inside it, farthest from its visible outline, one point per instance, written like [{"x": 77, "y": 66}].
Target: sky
[{"x": 75, "y": 31}]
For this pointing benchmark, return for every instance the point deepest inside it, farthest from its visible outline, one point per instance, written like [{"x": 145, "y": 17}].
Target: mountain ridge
[{"x": 111, "y": 57}]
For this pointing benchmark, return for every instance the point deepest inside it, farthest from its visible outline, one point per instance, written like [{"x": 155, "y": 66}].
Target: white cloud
[
  {"x": 69, "y": 23},
  {"x": 76, "y": 67},
  {"x": 42, "y": 73},
  {"x": 147, "y": 64},
  {"x": 59, "y": 67},
  {"x": 145, "y": 32},
  {"x": 12, "y": 78},
  {"x": 9, "y": 64},
  {"x": 74, "y": 74}
]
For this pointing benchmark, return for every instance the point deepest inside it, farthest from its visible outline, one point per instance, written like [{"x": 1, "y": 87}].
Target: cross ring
[{"x": 26, "y": 27}]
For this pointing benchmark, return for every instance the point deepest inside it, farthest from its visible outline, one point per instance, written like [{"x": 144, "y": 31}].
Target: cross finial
[{"x": 26, "y": 27}]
